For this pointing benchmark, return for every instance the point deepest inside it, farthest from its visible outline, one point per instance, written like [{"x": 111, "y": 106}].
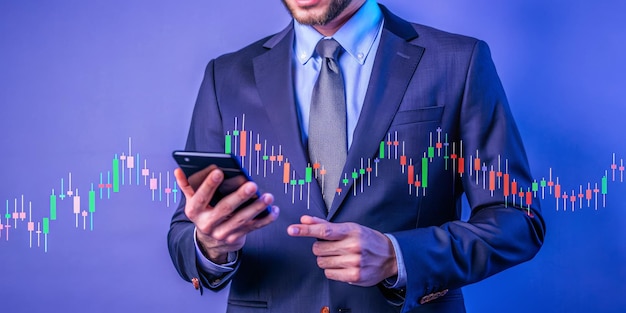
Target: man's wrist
[
  {"x": 392, "y": 262},
  {"x": 217, "y": 258},
  {"x": 398, "y": 280}
]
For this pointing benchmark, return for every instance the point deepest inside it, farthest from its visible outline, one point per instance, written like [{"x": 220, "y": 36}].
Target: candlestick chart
[
  {"x": 263, "y": 159},
  {"x": 126, "y": 169}
]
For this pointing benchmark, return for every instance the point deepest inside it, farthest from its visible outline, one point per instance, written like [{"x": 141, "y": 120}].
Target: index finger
[
  {"x": 208, "y": 185},
  {"x": 318, "y": 228}
]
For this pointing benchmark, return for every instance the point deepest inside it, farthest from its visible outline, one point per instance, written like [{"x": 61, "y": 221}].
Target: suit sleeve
[
  {"x": 497, "y": 235},
  {"x": 204, "y": 134}
]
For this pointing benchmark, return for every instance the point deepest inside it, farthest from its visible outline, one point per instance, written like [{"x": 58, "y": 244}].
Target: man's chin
[
  {"x": 308, "y": 19},
  {"x": 311, "y": 16},
  {"x": 315, "y": 12}
]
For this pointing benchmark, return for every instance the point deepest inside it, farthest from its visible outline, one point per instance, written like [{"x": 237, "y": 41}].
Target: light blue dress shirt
[{"x": 359, "y": 37}]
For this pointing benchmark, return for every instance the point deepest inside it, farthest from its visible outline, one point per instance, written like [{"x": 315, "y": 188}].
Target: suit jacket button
[
  {"x": 325, "y": 310},
  {"x": 196, "y": 283}
]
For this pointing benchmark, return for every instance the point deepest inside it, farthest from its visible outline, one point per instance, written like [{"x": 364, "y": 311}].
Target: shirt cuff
[
  {"x": 210, "y": 267},
  {"x": 398, "y": 281}
]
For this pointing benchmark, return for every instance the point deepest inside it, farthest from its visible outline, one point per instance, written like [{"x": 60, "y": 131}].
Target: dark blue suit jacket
[{"x": 422, "y": 79}]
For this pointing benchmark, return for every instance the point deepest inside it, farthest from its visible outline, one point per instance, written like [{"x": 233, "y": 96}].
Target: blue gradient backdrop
[{"x": 77, "y": 78}]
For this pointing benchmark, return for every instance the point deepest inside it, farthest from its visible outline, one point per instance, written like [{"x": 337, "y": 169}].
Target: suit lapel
[
  {"x": 395, "y": 64},
  {"x": 274, "y": 81}
]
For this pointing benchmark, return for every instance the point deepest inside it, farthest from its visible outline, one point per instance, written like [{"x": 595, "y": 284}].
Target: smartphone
[{"x": 195, "y": 166}]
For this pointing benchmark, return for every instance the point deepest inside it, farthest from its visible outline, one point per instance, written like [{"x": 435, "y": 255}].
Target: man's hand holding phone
[{"x": 222, "y": 225}]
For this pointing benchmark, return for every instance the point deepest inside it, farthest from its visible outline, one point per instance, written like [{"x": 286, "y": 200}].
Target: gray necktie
[{"x": 327, "y": 120}]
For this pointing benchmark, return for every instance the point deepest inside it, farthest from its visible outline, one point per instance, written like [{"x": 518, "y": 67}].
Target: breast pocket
[
  {"x": 415, "y": 129},
  {"x": 247, "y": 305},
  {"x": 421, "y": 115}
]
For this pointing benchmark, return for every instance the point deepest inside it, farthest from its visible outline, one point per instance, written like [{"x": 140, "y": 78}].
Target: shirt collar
[{"x": 356, "y": 36}]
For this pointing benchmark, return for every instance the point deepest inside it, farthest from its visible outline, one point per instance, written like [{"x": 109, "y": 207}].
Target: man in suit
[{"x": 426, "y": 121}]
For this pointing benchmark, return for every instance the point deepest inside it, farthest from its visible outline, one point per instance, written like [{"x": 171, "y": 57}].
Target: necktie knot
[{"x": 328, "y": 49}]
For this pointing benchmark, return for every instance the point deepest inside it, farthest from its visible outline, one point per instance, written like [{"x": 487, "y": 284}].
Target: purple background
[{"x": 78, "y": 78}]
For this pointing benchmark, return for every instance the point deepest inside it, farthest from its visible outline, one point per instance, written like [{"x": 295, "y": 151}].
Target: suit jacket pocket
[
  {"x": 427, "y": 114},
  {"x": 248, "y": 303}
]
